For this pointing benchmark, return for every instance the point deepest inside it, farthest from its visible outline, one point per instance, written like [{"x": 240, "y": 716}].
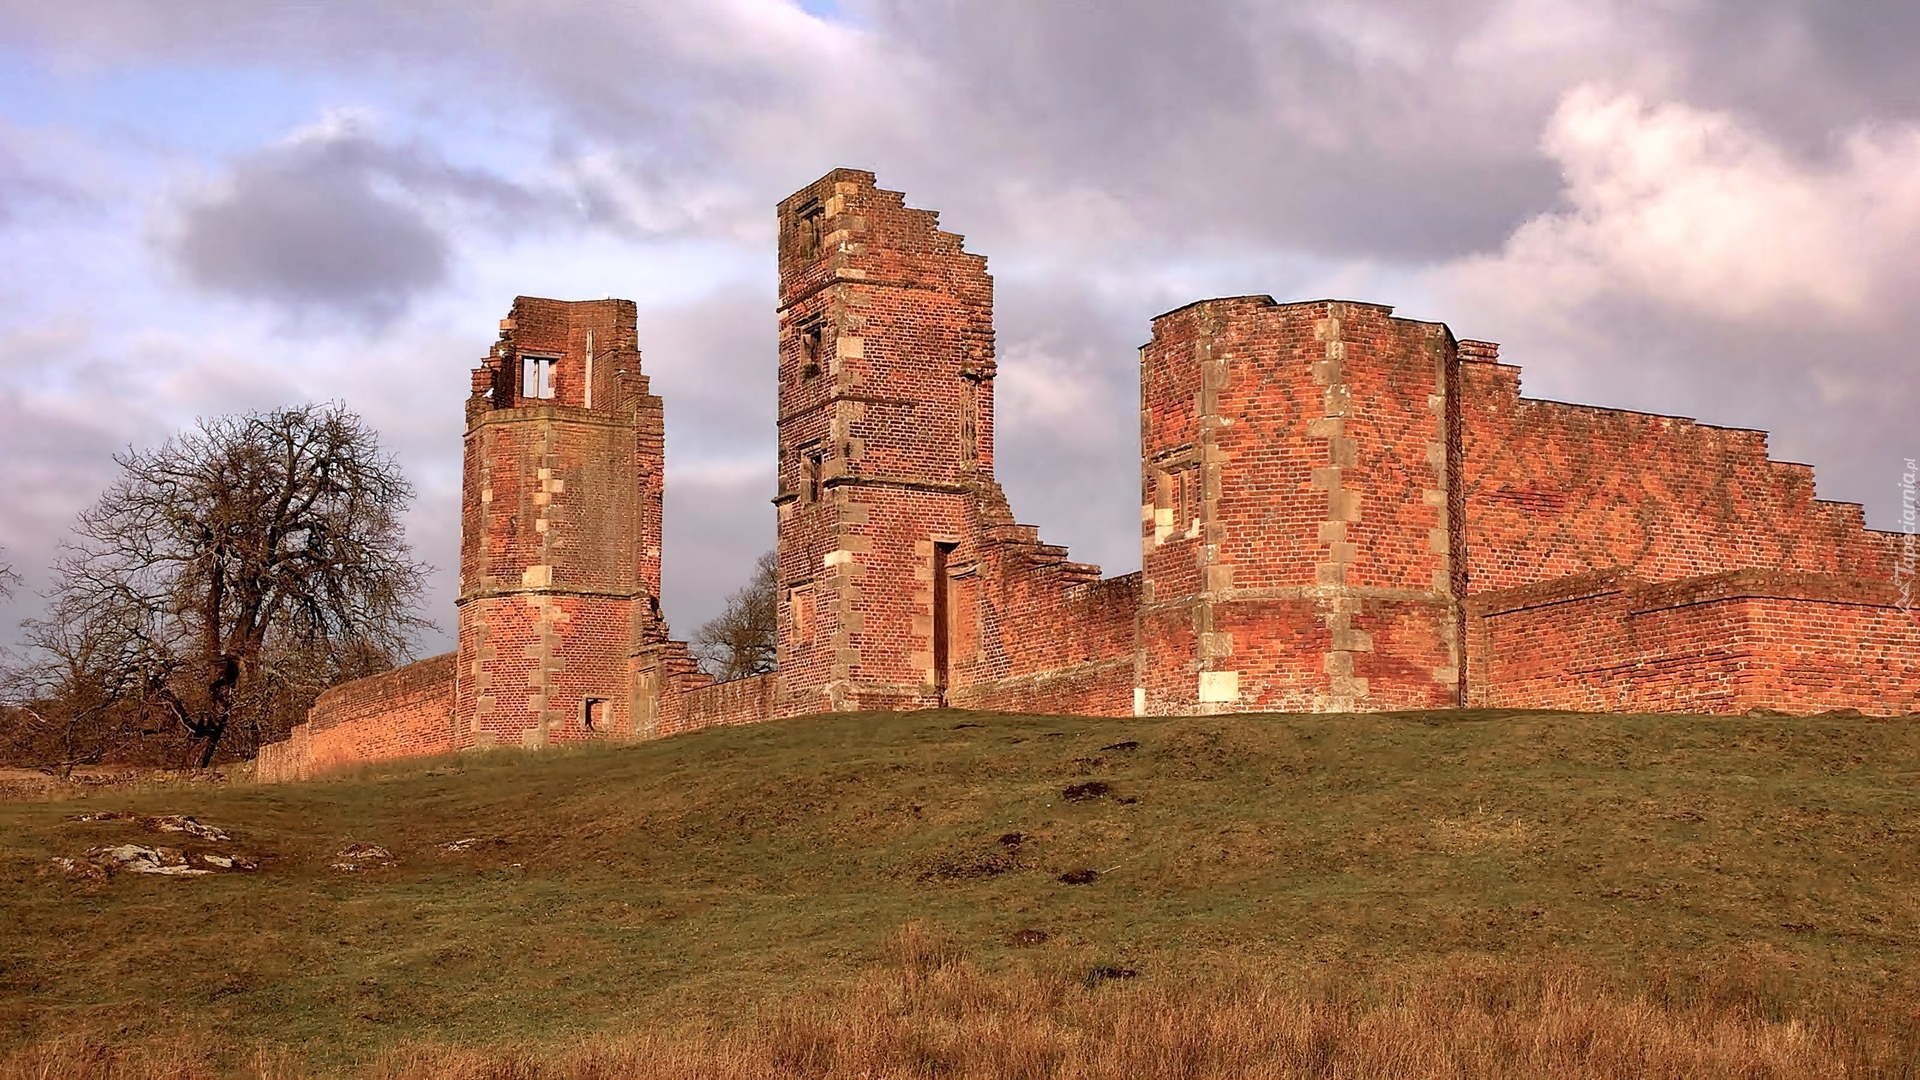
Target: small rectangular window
[
  {"x": 808, "y": 220},
  {"x": 536, "y": 377},
  {"x": 811, "y": 462},
  {"x": 800, "y": 607},
  {"x": 593, "y": 714},
  {"x": 812, "y": 344}
]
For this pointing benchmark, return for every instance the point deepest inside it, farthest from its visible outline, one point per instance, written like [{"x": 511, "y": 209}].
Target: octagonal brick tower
[
  {"x": 1300, "y": 507},
  {"x": 560, "y": 530}
]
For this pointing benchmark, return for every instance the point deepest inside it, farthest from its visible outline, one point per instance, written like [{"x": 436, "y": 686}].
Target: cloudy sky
[{"x": 1689, "y": 206}]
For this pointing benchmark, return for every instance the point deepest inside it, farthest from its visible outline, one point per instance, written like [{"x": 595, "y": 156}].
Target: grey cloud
[
  {"x": 712, "y": 362},
  {"x": 1238, "y": 123},
  {"x": 334, "y": 220},
  {"x": 1380, "y": 129},
  {"x": 1071, "y": 467},
  {"x": 1804, "y": 67}
]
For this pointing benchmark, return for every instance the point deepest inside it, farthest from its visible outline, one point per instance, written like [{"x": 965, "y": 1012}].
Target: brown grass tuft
[{"x": 929, "y": 1012}]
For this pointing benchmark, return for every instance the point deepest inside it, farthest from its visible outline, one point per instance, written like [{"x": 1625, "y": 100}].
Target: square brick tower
[
  {"x": 886, "y": 444},
  {"x": 560, "y": 530},
  {"x": 1301, "y": 526}
]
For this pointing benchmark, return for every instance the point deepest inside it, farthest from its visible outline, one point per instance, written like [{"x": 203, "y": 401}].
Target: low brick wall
[
  {"x": 1721, "y": 644},
  {"x": 737, "y": 701},
  {"x": 406, "y": 712},
  {"x": 1099, "y": 688}
]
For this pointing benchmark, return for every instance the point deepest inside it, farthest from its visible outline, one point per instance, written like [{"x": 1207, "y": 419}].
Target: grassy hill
[{"x": 1445, "y": 894}]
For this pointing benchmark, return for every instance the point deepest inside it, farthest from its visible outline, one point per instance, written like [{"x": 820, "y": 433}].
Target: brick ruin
[{"x": 1340, "y": 510}]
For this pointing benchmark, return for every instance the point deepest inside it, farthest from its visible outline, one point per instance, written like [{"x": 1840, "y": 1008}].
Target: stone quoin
[{"x": 1340, "y": 510}]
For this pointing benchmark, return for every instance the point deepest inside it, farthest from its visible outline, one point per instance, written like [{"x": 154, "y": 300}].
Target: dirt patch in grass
[{"x": 1087, "y": 792}]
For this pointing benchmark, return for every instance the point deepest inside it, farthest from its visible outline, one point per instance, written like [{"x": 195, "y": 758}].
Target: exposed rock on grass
[
  {"x": 180, "y": 823},
  {"x": 356, "y": 857},
  {"x": 113, "y": 859}
]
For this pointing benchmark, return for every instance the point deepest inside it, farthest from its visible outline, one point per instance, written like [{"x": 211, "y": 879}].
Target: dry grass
[{"x": 928, "y": 1012}]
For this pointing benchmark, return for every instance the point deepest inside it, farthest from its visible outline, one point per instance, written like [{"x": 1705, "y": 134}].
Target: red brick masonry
[
  {"x": 1722, "y": 643},
  {"x": 402, "y": 713},
  {"x": 1340, "y": 510}
]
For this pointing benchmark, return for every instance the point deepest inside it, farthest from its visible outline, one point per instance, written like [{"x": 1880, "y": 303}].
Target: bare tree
[
  {"x": 253, "y": 557},
  {"x": 740, "y": 640},
  {"x": 77, "y": 701}
]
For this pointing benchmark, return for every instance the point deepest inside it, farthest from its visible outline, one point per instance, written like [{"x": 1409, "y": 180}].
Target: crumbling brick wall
[
  {"x": 560, "y": 553},
  {"x": 905, "y": 580},
  {"x": 1340, "y": 510},
  {"x": 1555, "y": 489},
  {"x": 698, "y": 704},
  {"x": 1049, "y": 638}
]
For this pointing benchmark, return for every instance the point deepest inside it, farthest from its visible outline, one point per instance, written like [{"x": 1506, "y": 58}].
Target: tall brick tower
[
  {"x": 1300, "y": 517},
  {"x": 886, "y": 444},
  {"x": 560, "y": 530}
]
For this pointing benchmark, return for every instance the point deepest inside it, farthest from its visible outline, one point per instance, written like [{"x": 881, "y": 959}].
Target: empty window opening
[
  {"x": 812, "y": 343},
  {"x": 969, "y": 424},
  {"x": 536, "y": 377},
  {"x": 807, "y": 223},
  {"x": 942, "y": 614},
  {"x": 593, "y": 714},
  {"x": 811, "y": 462}
]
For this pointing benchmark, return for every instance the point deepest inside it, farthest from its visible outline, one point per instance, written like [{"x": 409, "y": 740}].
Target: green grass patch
[{"x": 612, "y": 887}]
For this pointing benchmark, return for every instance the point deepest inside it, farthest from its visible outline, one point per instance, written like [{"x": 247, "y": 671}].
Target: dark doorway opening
[{"x": 942, "y": 617}]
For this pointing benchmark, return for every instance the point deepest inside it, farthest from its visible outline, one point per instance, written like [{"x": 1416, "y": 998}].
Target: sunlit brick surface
[{"x": 1340, "y": 510}]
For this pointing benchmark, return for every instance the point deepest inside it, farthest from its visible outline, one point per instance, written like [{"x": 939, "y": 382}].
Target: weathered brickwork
[
  {"x": 1555, "y": 489},
  {"x": 560, "y": 555},
  {"x": 1719, "y": 643},
  {"x": 406, "y": 712},
  {"x": 1324, "y": 425},
  {"x": 905, "y": 580},
  {"x": 1340, "y": 510}
]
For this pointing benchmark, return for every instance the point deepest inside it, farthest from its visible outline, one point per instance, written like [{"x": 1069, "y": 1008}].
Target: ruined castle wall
[
  {"x": 905, "y": 580},
  {"x": 1553, "y": 490},
  {"x": 406, "y": 712},
  {"x": 1294, "y": 509},
  {"x": 1721, "y": 643},
  {"x": 698, "y": 704},
  {"x": 560, "y": 557},
  {"x": 1051, "y": 637},
  {"x": 886, "y": 342}
]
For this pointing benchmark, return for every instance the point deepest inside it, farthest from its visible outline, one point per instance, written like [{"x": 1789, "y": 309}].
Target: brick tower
[
  {"x": 886, "y": 444},
  {"x": 1300, "y": 521},
  {"x": 560, "y": 530}
]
